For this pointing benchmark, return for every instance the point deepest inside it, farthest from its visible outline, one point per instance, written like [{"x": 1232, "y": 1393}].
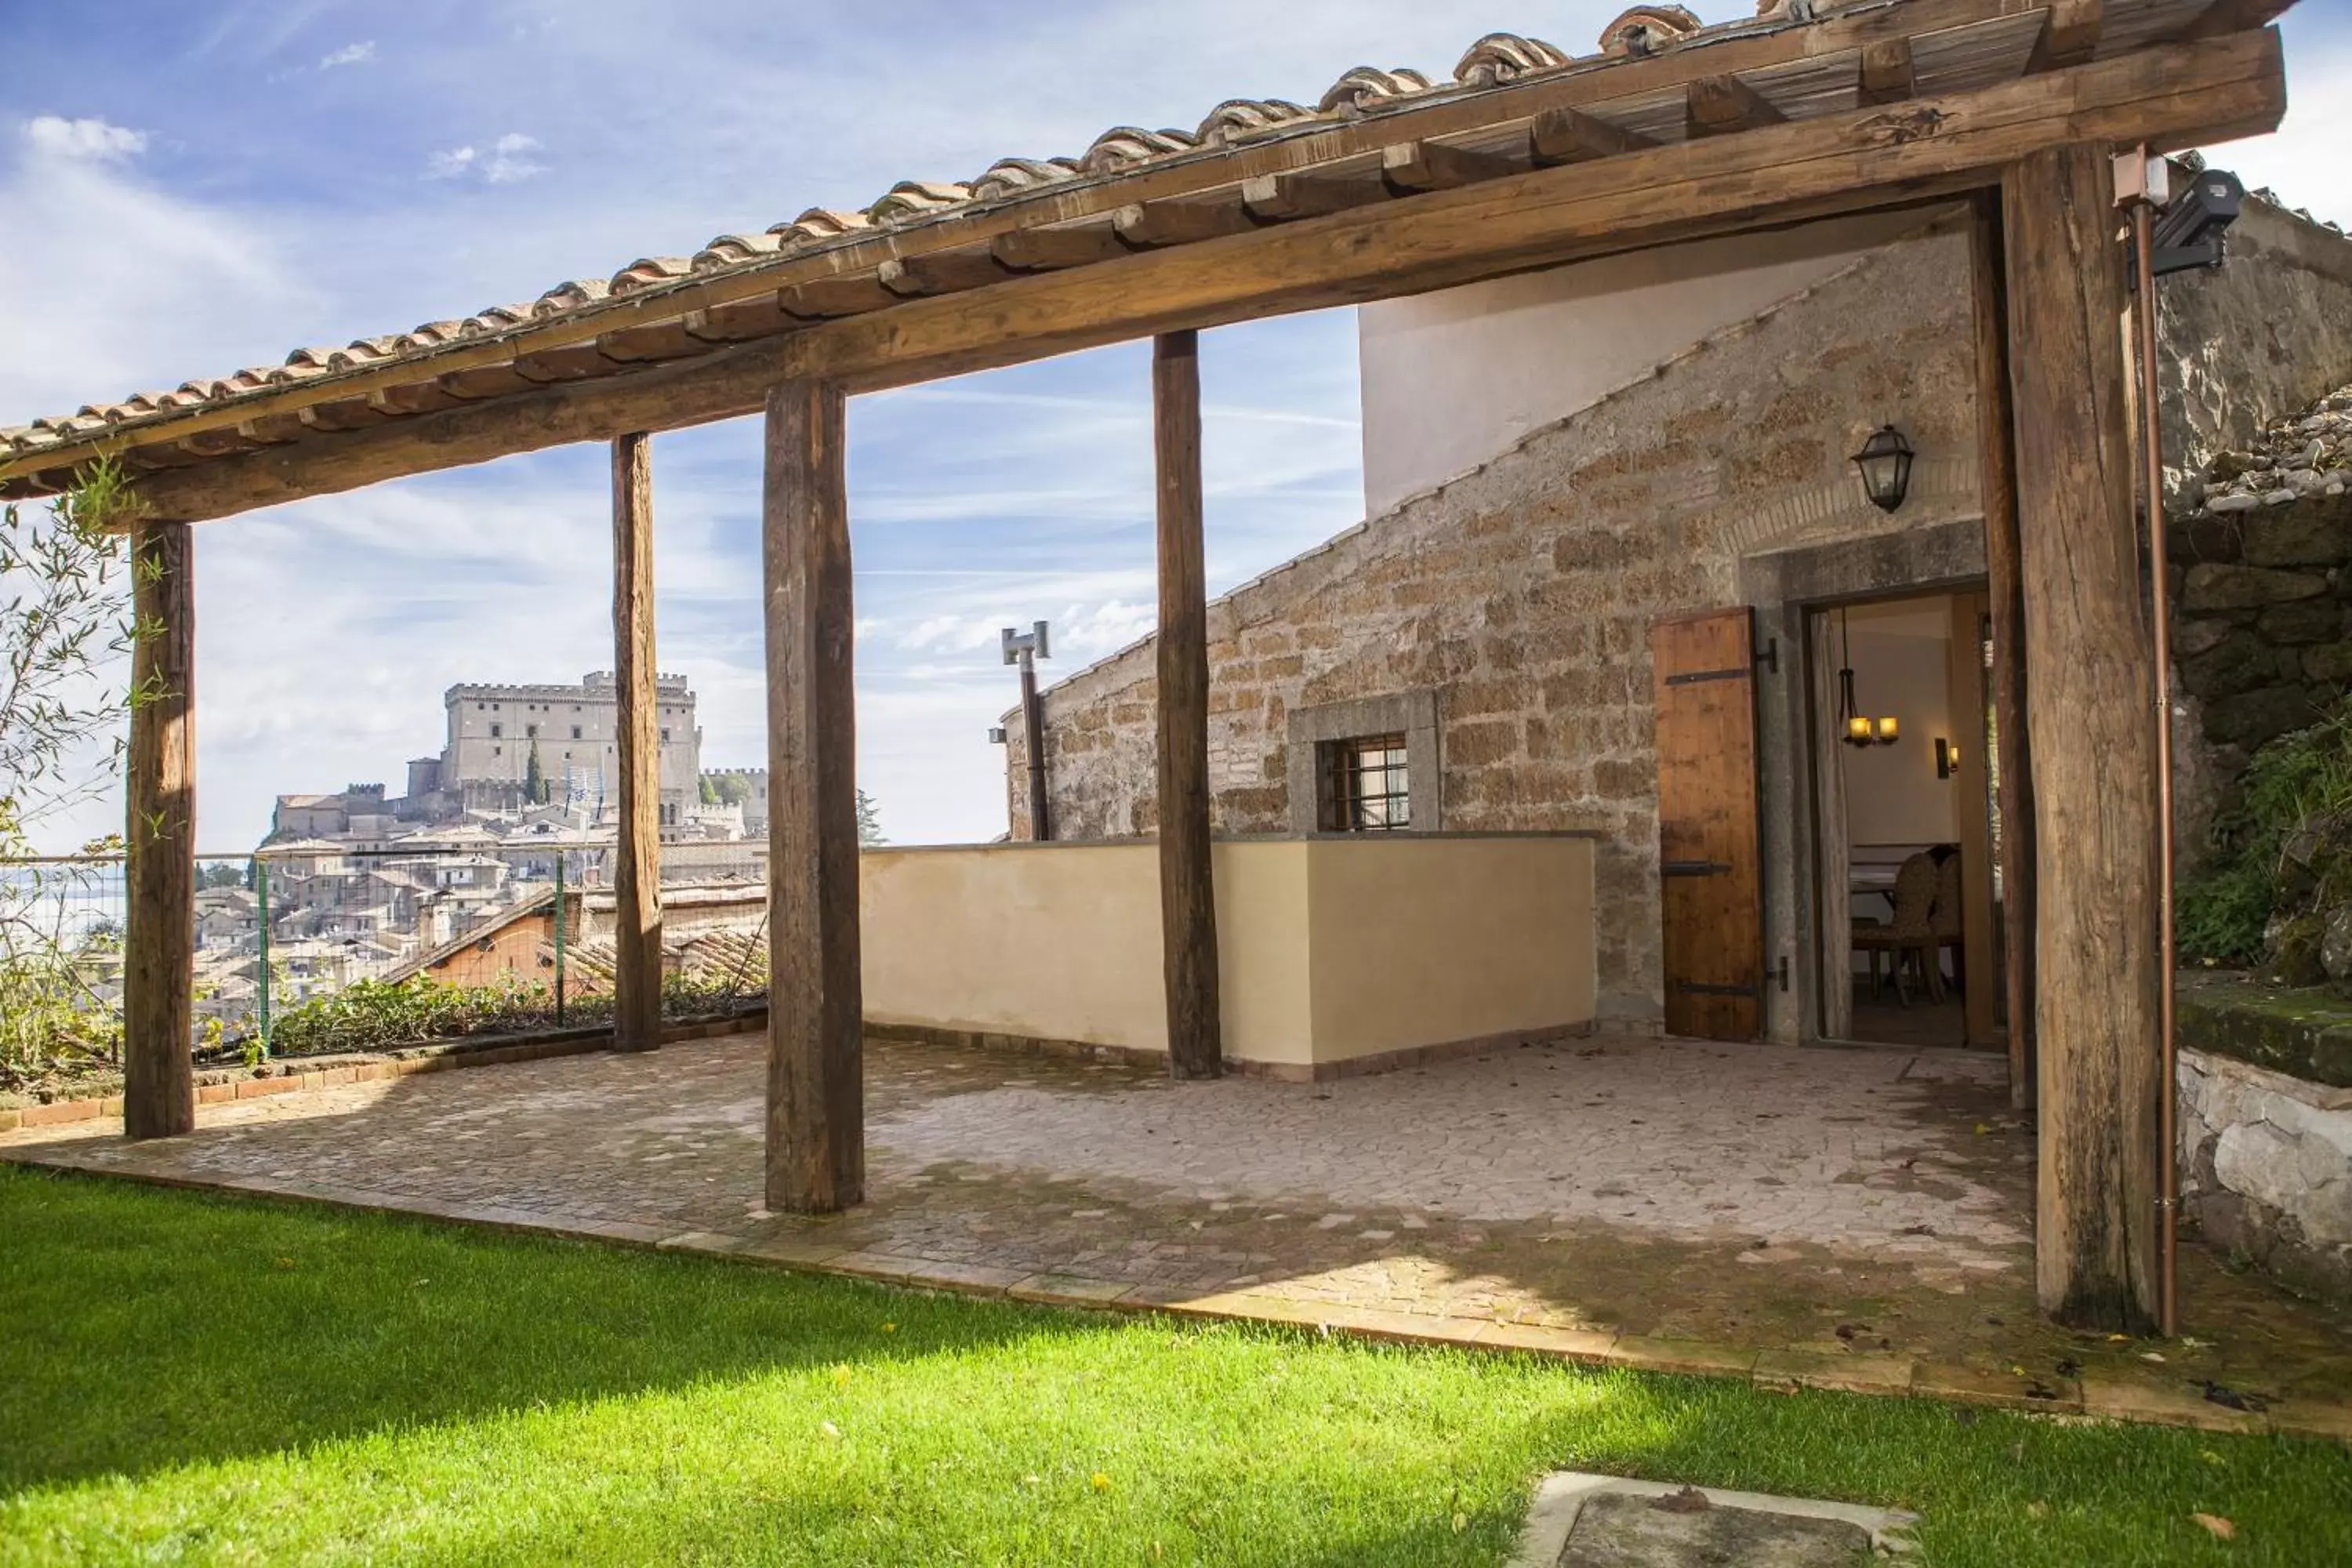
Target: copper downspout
[{"x": 2152, "y": 476}]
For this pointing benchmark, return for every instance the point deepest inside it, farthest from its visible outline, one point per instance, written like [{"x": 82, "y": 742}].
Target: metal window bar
[{"x": 1373, "y": 780}]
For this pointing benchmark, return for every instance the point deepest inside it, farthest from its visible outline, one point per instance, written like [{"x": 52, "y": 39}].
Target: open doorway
[{"x": 1908, "y": 879}]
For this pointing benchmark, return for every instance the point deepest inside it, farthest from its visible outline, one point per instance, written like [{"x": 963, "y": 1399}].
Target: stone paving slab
[{"x": 1806, "y": 1219}]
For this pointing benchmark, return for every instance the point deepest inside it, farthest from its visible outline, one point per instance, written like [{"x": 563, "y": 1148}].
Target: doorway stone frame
[{"x": 1782, "y": 586}]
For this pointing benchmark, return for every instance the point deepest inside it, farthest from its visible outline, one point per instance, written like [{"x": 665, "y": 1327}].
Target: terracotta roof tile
[
  {"x": 1124, "y": 144},
  {"x": 572, "y": 296},
  {"x": 1497, "y": 59},
  {"x": 911, "y": 199},
  {"x": 734, "y": 249},
  {"x": 1239, "y": 119},
  {"x": 819, "y": 223},
  {"x": 1368, "y": 85},
  {"x": 1506, "y": 56},
  {"x": 1646, "y": 30},
  {"x": 1008, "y": 176},
  {"x": 647, "y": 271}
]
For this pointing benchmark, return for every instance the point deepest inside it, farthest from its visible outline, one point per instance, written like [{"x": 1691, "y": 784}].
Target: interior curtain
[{"x": 1834, "y": 860}]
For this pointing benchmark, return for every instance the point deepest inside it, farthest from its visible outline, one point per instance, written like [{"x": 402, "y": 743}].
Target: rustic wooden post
[
  {"x": 1997, "y": 483},
  {"x": 1188, "y": 899},
  {"x": 159, "y": 965},
  {"x": 816, "y": 1107},
  {"x": 2090, "y": 705},
  {"x": 637, "y": 880}
]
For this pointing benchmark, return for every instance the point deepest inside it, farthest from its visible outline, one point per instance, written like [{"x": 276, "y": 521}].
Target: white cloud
[
  {"x": 349, "y": 55},
  {"x": 91, "y": 139},
  {"x": 509, "y": 160}
]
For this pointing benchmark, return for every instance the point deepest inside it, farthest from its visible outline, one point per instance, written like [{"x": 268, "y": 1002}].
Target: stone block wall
[
  {"x": 2261, "y": 638},
  {"x": 1522, "y": 593},
  {"x": 2266, "y": 1169},
  {"x": 2251, "y": 341}
]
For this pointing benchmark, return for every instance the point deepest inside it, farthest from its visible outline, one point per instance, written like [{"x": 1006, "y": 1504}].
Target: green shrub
[
  {"x": 372, "y": 1015},
  {"x": 2286, "y": 845}
]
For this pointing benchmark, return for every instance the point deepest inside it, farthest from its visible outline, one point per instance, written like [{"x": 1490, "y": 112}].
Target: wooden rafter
[
  {"x": 1277, "y": 198},
  {"x": 1159, "y": 224},
  {"x": 1051, "y": 249},
  {"x": 1209, "y": 260},
  {"x": 1885, "y": 72},
  {"x": 710, "y": 298},
  {"x": 1719, "y": 105},
  {"x": 2070, "y": 34},
  {"x": 943, "y": 272},
  {"x": 1572, "y": 136},
  {"x": 1414, "y": 166}
]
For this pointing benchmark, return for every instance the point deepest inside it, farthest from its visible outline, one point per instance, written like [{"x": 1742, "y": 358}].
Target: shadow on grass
[
  {"x": 193, "y": 1377},
  {"x": 141, "y": 1330}
]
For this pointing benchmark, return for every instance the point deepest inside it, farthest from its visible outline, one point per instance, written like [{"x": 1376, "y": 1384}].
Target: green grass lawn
[{"x": 185, "y": 1379}]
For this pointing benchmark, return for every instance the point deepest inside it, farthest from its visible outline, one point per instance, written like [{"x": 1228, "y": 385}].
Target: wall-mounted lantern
[{"x": 1884, "y": 462}]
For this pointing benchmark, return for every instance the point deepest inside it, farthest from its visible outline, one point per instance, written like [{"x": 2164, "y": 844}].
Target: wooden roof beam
[
  {"x": 1052, "y": 250},
  {"x": 1410, "y": 167},
  {"x": 1157, "y": 224},
  {"x": 581, "y": 362},
  {"x": 2231, "y": 16},
  {"x": 1719, "y": 105},
  {"x": 481, "y": 381},
  {"x": 2171, "y": 97},
  {"x": 1885, "y": 72},
  {"x": 823, "y": 297},
  {"x": 732, "y": 323},
  {"x": 651, "y": 345},
  {"x": 2069, "y": 36},
  {"x": 940, "y": 272},
  {"x": 1583, "y": 87},
  {"x": 1572, "y": 136},
  {"x": 1284, "y": 197}
]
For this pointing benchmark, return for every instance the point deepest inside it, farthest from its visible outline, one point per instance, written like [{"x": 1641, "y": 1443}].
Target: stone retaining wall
[{"x": 2266, "y": 1169}]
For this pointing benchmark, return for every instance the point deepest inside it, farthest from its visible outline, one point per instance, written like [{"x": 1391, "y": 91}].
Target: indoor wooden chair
[{"x": 1910, "y": 935}]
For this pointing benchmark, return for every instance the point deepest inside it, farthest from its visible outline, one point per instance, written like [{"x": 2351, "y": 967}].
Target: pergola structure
[{"x": 1390, "y": 185}]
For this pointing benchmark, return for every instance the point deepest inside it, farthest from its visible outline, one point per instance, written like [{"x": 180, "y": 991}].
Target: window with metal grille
[{"x": 1366, "y": 790}]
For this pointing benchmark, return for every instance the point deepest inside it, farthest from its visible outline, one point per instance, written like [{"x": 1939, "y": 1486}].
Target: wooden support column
[
  {"x": 159, "y": 968},
  {"x": 2090, "y": 705},
  {"x": 2013, "y": 788},
  {"x": 1188, "y": 896},
  {"x": 816, "y": 1091},
  {"x": 636, "y": 879}
]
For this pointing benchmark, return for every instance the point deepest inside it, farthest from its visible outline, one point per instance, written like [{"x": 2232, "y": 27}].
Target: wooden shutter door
[{"x": 1703, "y": 670}]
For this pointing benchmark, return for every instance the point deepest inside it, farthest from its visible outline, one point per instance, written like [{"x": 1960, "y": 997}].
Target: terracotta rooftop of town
[{"x": 1657, "y": 76}]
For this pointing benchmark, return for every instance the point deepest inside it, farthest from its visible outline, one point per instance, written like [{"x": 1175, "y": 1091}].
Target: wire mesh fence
[{"x": 314, "y": 946}]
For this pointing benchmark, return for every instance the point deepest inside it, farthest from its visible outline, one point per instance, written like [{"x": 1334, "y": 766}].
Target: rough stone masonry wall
[
  {"x": 1523, "y": 593},
  {"x": 2266, "y": 1163},
  {"x": 2252, "y": 341}
]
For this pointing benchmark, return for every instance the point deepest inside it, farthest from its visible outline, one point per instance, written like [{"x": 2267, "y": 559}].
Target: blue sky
[{"x": 186, "y": 189}]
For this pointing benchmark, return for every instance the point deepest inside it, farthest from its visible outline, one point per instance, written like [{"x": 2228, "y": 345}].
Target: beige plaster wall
[
  {"x": 1058, "y": 940},
  {"x": 1328, "y": 949},
  {"x": 1453, "y": 377},
  {"x": 1423, "y": 940},
  {"x": 1902, "y": 666}
]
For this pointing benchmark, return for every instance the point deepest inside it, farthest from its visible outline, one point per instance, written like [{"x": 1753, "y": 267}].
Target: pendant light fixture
[{"x": 1854, "y": 728}]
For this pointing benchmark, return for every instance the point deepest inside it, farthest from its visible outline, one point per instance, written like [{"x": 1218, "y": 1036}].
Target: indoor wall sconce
[
  {"x": 1947, "y": 757},
  {"x": 1885, "y": 463}
]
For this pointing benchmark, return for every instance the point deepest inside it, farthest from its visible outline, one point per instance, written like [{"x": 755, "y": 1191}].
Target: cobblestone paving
[{"x": 1855, "y": 1218}]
